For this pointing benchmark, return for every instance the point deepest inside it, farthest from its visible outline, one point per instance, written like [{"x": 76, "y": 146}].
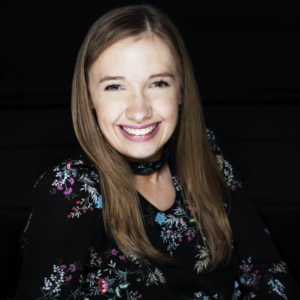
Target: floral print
[
  {"x": 60, "y": 276},
  {"x": 233, "y": 183},
  {"x": 102, "y": 286},
  {"x": 65, "y": 174},
  {"x": 116, "y": 279},
  {"x": 176, "y": 226},
  {"x": 249, "y": 276},
  {"x": 203, "y": 296},
  {"x": 160, "y": 218},
  {"x": 113, "y": 280},
  {"x": 102, "y": 271},
  {"x": 203, "y": 257}
]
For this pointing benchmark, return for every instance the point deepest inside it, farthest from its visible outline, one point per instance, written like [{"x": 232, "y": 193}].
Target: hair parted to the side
[{"x": 200, "y": 175}]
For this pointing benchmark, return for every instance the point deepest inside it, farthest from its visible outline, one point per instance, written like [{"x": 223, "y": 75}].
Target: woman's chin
[{"x": 143, "y": 157}]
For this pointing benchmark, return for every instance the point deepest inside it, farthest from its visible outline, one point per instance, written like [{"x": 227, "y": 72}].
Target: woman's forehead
[{"x": 136, "y": 53}]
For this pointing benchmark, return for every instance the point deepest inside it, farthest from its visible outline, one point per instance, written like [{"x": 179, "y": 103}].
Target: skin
[{"x": 135, "y": 83}]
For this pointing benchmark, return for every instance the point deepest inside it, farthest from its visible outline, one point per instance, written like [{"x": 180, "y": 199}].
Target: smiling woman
[{"x": 151, "y": 208}]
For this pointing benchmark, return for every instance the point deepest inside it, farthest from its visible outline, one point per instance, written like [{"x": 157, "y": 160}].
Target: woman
[{"x": 105, "y": 225}]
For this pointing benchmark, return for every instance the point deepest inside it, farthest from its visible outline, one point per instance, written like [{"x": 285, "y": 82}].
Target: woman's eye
[
  {"x": 113, "y": 87},
  {"x": 160, "y": 84}
]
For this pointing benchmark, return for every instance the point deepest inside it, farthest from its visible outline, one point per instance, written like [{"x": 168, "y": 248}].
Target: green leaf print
[
  {"x": 118, "y": 292},
  {"x": 124, "y": 285}
]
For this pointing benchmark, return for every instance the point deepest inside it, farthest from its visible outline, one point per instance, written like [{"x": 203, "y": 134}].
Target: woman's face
[{"x": 135, "y": 91}]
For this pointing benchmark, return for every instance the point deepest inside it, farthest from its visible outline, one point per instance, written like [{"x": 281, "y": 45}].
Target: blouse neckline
[{"x": 176, "y": 185}]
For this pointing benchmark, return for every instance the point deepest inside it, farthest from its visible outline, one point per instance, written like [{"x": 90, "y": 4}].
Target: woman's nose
[{"x": 139, "y": 109}]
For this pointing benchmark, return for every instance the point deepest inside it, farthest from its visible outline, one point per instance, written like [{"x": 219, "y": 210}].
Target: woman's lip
[
  {"x": 141, "y": 138},
  {"x": 138, "y": 126}
]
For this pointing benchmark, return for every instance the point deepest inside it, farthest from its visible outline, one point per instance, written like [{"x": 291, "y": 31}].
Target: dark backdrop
[{"x": 246, "y": 60}]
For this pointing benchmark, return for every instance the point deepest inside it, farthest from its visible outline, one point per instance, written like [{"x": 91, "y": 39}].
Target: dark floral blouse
[{"x": 68, "y": 255}]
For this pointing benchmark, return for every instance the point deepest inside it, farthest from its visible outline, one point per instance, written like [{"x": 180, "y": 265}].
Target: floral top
[{"x": 68, "y": 255}]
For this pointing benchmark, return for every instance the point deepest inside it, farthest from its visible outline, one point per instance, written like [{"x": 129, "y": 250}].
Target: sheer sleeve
[
  {"x": 261, "y": 274},
  {"x": 59, "y": 232}
]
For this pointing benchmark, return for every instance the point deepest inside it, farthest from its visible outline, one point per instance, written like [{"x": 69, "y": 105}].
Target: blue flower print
[
  {"x": 99, "y": 202},
  {"x": 160, "y": 218}
]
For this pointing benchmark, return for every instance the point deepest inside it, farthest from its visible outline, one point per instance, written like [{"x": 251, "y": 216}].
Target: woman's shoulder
[
  {"x": 65, "y": 222},
  {"x": 71, "y": 185}
]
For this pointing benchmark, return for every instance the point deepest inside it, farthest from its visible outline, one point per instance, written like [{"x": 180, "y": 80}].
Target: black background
[{"x": 247, "y": 64}]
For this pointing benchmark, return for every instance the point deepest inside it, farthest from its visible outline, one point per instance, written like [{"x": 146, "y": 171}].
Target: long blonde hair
[{"x": 200, "y": 176}]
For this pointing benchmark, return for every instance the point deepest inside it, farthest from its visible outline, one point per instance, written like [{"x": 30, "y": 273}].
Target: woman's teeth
[{"x": 143, "y": 131}]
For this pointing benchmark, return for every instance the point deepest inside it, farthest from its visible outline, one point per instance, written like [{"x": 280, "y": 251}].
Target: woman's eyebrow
[
  {"x": 106, "y": 78},
  {"x": 165, "y": 74}
]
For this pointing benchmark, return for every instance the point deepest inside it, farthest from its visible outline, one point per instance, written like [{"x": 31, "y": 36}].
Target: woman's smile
[{"x": 142, "y": 134}]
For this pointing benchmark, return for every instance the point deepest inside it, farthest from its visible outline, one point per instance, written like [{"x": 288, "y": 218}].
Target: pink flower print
[
  {"x": 99, "y": 258},
  {"x": 91, "y": 208},
  {"x": 73, "y": 268},
  {"x": 180, "y": 240},
  {"x": 92, "y": 275},
  {"x": 136, "y": 292},
  {"x": 140, "y": 296},
  {"x": 102, "y": 286},
  {"x": 69, "y": 216},
  {"x": 62, "y": 267},
  {"x": 68, "y": 191},
  {"x": 69, "y": 167},
  {"x": 171, "y": 232},
  {"x": 122, "y": 257},
  {"x": 69, "y": 278},
  {"x": 84, "y": 211},
  {"x": 186, "y": 234},
  {"x": 59, "y": 187},
  {"x": 77, "y": 202},
  {"x": 96, "y": 253},
  {"x": 113, "y": 252},
  {"x": 73, "y": 208},
  {"x": 189, "y": 238},
  {"x": 72, "y": 180}
]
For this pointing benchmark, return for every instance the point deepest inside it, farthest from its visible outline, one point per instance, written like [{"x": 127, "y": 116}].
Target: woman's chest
[{"x": 111, "y": 272}]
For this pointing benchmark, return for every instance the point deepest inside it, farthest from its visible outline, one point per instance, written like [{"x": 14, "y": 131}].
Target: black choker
[{"x": 145, "y": 168}]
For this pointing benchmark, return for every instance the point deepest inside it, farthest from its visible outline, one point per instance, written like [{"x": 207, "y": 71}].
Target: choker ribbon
[{"x": 145, "y": 168}]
